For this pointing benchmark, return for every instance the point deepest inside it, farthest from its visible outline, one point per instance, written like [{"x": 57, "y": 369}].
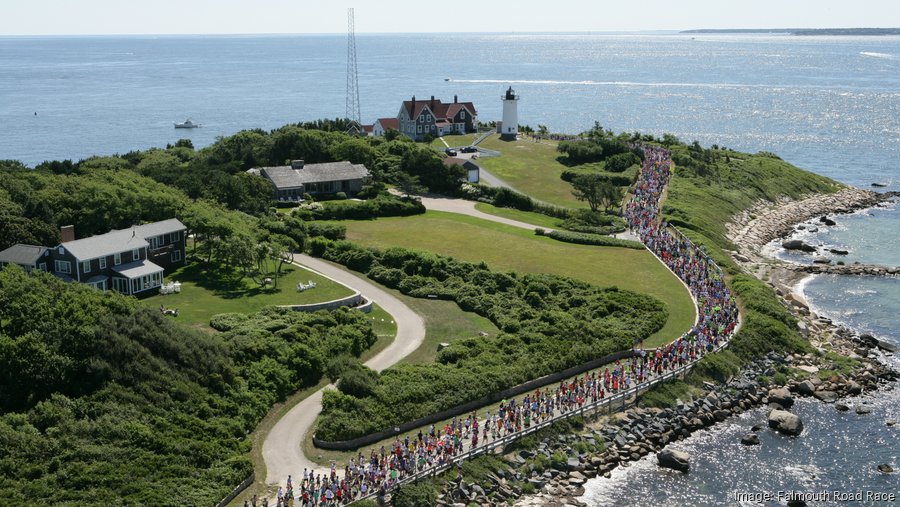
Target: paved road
[
  {"x": 464, "y": 207},
  {"x": 283, "y": 447}
]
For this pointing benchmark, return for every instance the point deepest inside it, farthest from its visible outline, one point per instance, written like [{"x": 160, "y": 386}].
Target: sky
[{"x": 102, "y": 17}]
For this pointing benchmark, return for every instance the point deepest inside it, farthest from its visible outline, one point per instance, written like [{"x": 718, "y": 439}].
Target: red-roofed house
[
  {"x": 417, "y": 118},
  {"x": 382, "y": 125}
]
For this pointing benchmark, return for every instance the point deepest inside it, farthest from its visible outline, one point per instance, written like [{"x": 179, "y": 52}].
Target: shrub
[
  {"x": 358, "y": 381},
  {"x": 417, "y": 494},
  {"x": 618, "y": 163},
  {"x": 227, "y": 321},
  {"x": 381, "y": 206},
  {"x": 329, "y": 231},
  {"x": 589, "y": 239}
]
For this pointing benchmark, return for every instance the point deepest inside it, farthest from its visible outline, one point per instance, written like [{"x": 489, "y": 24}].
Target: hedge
[{"x": 589, "y": 239}]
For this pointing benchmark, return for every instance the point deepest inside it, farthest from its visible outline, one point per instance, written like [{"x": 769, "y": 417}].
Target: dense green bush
[
  {"x": 417, "y": 494},
  {"x": 620, "y": 180},
  {"x": 381, "y": 206},
  {"x": 581, "y": 151},
  {"x": 548, "y": 323},
  {"x": 589, "y": 239},
  {"x": 328, "y": 231},
  {"x": 593, "y": 222},
  {"x": 503, "y": 197},
  {"x": 618, "y": 163},
  {"x": 227, "y": 321},
  {"x": 107, "y": 402}
]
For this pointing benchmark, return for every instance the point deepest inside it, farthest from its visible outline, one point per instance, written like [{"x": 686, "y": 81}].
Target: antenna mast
[{"x": 352, "y": 75}]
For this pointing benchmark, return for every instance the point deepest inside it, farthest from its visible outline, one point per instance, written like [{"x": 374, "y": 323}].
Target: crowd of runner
[{"x": 382, "y": 469}]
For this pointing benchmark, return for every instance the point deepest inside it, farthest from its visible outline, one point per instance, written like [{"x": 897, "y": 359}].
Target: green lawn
[
  {"x": 455, "y": 141},
  {"x": 509, "y": 248},
  {"x": 529, "y": 217},
  {"x": 530, "y": 168},
  {"x": 204, "y": 294}
]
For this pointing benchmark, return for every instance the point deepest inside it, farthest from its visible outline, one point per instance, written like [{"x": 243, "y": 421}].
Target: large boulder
[
  {"x": 750, "y": 439},
  {"x": 785, "y": 422},
  {"x": 796, "y": 244},
  {"x": 676, "y": 460},
  {"x": 806, "y": 388},
  {"x": 781, "y": 396},
  {"x": 826, "y": 396}
]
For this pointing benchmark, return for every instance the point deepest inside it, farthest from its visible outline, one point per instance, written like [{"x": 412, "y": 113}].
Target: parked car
[
  {"x": 469, "y": 149},
  {"x": 450, "y": 151}
]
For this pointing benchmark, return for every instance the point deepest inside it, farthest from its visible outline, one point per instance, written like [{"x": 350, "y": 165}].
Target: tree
[
  {"x": 409, "y": 185},
  {"x": 282, "y": 250},
  {"x": 543, "y": 130},
  {"x": 587, "y": 188},
  {"x": 596, "y": 190},
  {"x": 610, "y": 195}
]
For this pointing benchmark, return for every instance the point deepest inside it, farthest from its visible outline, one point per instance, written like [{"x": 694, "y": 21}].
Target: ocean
[{"x": 827, "y": 104}]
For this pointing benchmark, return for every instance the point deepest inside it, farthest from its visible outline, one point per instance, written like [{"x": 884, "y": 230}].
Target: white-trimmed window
[
  {"x": 117, "y": 259},
  {"x": 154, "y": 242},
  {"x": 427, "y": 117},
  {"x": 135, "y": 254},
  {"x": 42, "y": 266},
  {"x": 176, "y": 255},
  {"x": 174, "y": 236},
  {"x": 62, "y": 251},
  {"x": 63, "y": 267},
  {"x": 418, "y": 129},
  {"x": 85, "y": 266},
  {"x": 103, "y": 262},
  {"x": 462, "y": 115}
]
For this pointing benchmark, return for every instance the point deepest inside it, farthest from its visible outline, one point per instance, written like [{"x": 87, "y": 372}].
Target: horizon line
[{"x": 506, "y": 32}]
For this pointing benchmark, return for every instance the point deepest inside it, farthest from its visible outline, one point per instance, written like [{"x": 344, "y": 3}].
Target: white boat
[{"x": 187, "y": 124}]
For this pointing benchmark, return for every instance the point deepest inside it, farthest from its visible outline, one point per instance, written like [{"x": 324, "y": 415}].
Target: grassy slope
[
  {"x": 204, "y": 295},
  {"x": 700, "y": 207},
  {"x": 509, "y": 248}
]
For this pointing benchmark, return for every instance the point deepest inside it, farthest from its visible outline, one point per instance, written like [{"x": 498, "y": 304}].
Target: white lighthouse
[{"x": 510, "y": 126}]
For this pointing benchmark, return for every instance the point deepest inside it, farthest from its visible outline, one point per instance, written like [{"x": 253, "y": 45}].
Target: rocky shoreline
[
  {"x": 636, "y": 432},
  {"x": 632, "y": 434},
  {"x": 753, "y": 228}
]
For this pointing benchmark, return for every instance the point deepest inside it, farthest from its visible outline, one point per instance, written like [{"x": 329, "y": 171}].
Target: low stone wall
[
  {"x": 237, "y": 491},
  {"x": 356, "y": 443},
  {"x": 356, "y": 300}
]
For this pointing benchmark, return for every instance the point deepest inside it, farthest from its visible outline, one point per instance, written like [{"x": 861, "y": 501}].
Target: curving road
[
  {"x": 464, "y": 207},
  {"x": 283, "y": 448}
]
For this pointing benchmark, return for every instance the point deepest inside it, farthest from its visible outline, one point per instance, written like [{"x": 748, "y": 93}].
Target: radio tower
[{"x": 352, "y": 76}]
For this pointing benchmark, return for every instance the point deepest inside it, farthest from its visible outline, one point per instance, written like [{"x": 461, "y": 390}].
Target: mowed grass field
[
  {"x": 505, "y": 248},
  {"x": 530, "y": 168},
  {"x": 204, "y": 294}
]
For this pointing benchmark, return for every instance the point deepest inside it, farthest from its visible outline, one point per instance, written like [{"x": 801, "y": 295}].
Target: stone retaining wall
[
  {"x": 237, "y": 491},
  {"x": 355, "y": 300}
]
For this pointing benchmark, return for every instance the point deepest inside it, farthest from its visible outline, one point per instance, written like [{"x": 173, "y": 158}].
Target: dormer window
[{"x": 62, "y": 251}]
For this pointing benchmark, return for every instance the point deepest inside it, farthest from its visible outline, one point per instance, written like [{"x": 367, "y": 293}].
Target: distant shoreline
[{"x": 796, "y": 31}]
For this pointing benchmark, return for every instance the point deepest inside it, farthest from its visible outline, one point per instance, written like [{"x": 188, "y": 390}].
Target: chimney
[
  {"x": 66, "y": 233},
  {"x": 297, "y": 164},
  {"x": 455, "y": 99},
  {"x": 432, "y": 102}
]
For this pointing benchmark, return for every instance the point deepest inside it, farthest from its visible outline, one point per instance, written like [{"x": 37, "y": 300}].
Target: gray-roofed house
[
  {"x": 130, "y": 261},
  {"x": 28, "y": 256},
  {"x": 291, "y": 182}
]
